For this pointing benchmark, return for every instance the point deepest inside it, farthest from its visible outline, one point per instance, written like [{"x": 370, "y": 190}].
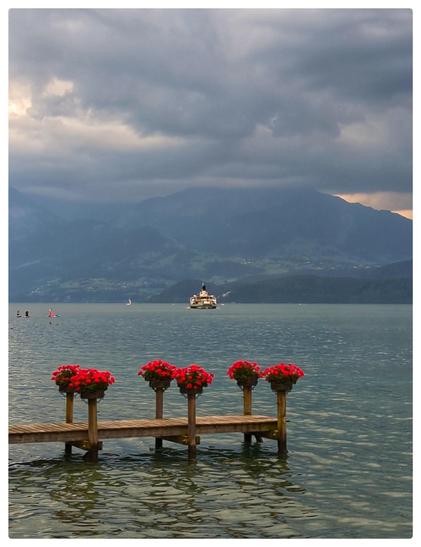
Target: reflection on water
[
  {"x": 348, "y": 472},
  {"x": 224, "y": 494}
]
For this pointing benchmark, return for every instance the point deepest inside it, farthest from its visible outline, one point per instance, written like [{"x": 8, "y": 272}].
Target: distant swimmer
[
  {"x": 51, "y": 313},
  {"x": 27, "y": 313},
  {"x": 18, "y": 314}
]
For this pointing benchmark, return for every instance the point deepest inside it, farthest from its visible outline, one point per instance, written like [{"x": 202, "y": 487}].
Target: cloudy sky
[{"x": 127, "y": 104}]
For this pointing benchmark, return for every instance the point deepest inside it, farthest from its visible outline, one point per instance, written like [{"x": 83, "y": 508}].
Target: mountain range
[
  {"x": 229, "y": 237},
  {"x": 389, "y": 284}
]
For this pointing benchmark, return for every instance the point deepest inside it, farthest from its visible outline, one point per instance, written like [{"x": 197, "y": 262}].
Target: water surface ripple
[{"x": 348, "y": 473}]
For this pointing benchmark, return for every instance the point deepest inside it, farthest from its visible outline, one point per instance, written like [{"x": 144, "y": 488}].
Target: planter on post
[
  {"x": 159, "y": 375},
  {"x": 282, "y": 377},
  {"x": 191, "y": 381},
  {"x": 63, "y": 377},
  {"x": 91, "y": 384},
  {"x": 247, "y": 375}
]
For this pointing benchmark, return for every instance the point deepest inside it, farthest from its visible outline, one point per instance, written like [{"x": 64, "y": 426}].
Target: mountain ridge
[
  {"x": 219, "y": 234},
  {"x": 388, "y": 284}
]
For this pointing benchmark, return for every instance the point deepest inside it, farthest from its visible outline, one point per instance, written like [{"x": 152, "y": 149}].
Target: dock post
[
  {"x": 191, "y": 425},
  {"x": 281, "y": 399},
  {"x": 92, "y": 453},
  {"x": 159, "y": 412},
  {"x": 247, "y": 409},
  {"x": 69, "y": 420}
]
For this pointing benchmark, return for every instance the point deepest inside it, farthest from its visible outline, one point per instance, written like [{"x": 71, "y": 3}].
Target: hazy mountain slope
[
  {"x": 298, "y": 289},
  {"x": 315, "y": 289},
  {"x": 218, "y": 235},
  {"x": 273, "y": 222}
]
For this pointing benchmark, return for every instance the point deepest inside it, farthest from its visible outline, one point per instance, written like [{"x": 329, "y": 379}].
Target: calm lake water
[{"x": 348, "y": 473}]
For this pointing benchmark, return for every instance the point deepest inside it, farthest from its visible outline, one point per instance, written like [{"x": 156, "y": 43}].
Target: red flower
[
  {"x": 243, "y": 370},
  {"x": 282, "y": 372},
  {"x": 64, "y": 373},
  {"x": 193, "y": 376},
  {"x": 156, "y": 370},
  {"x": 92, "y": 380},
  {"x": 81, "y": 379}
]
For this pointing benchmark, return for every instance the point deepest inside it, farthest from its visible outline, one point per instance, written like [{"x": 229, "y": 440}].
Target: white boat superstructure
[{"x": 203, "y": 301}]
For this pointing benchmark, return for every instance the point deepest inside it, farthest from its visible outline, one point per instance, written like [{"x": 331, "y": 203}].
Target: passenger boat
[{"x": 203, "y": 301}]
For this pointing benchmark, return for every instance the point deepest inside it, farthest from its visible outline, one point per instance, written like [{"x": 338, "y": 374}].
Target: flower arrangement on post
[
  {"x": 158, "y": 373},
  {"x": 245, "y": 373},
  {"x": 192, "y": 379},
  {"x": 91, "y": 383},
  {"x": 282, "y": 376},
  {"x": 63, "y": 376}
]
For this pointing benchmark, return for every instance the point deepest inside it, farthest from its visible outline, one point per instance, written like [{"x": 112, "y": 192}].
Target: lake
[{"x": 348, "y": 472}]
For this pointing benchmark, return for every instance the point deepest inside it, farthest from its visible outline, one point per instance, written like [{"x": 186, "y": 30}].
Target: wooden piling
[
  {"x": 247, "y": 402},
  {"x": 281, "y": 399},
  {"x": 191, "y": 425},
  {"x": 69, "y": 419},
  {"x": 92, "y": 453},
  {"x": 159, "y": 412}
]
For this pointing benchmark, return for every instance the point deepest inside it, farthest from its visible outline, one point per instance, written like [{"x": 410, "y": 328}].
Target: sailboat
[{"x": 129, "y": 302}]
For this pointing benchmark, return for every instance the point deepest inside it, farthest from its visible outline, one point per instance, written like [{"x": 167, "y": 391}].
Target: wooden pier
[
  {"x": 172, "y": 429},
  {"x": 187, "y": 430},
  {"x": 168, "y": 429}
]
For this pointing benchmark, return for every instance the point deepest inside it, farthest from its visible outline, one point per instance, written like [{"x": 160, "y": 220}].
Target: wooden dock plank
[{"x": 112, "y": 429}]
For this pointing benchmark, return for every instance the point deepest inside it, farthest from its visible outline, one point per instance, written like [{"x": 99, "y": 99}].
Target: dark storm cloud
[{"x": 135, "y": 102}]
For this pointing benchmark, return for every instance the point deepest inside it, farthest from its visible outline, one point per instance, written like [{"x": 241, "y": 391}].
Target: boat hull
[{"x": 202, "y": 306}]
